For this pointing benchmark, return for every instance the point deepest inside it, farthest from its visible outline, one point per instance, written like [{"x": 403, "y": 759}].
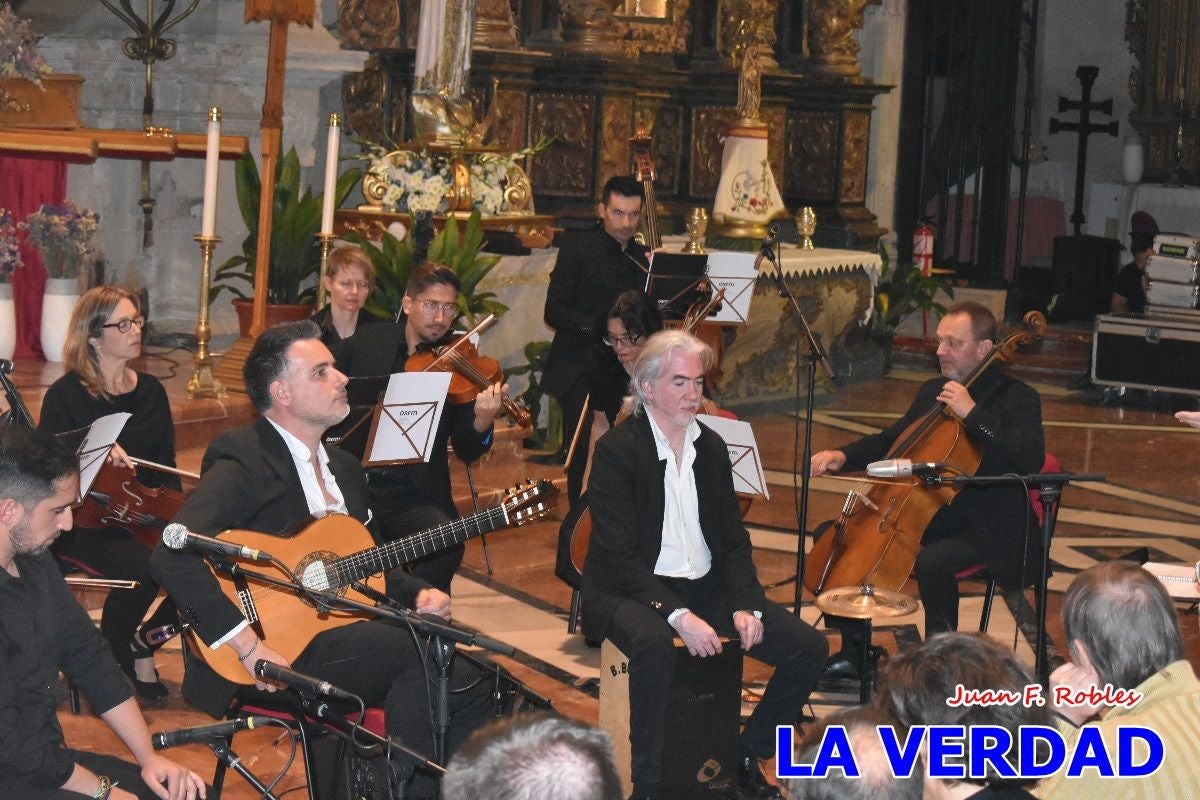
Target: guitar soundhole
[{"x": 315, "y": 573}]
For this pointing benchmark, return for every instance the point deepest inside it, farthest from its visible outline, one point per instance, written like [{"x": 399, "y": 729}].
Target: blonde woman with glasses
[{"x": 105, "y": 336}]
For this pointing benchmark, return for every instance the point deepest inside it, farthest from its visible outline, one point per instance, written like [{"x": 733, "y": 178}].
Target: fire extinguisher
[{"x": 923, "y": 248}]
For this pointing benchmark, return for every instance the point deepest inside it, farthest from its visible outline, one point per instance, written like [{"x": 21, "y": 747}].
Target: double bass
[{"x": 878, "y": 533}]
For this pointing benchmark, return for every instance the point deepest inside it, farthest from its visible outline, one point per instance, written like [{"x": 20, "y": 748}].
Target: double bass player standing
[{"x": 1003, "y": 417}]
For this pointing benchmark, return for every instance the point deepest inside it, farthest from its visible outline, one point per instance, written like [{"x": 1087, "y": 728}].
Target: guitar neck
[{"x": 403, "y": 551}]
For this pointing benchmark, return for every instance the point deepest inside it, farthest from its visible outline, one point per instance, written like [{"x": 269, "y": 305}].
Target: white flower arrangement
[{"x": 422, "y": 181}]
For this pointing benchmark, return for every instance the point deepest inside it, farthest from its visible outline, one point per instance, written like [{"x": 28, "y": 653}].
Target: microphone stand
[
  {"x": 233, "y": 761},
  {"x": 444, "y": 639},
  {"x": 1050, "y": 486},
  {"x": 815, "y": 353}
]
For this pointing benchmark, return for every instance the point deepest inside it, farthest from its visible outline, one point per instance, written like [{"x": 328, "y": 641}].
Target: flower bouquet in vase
[
  {"x": 10, "y": 259},
  {"x": 63, "y": 236}
]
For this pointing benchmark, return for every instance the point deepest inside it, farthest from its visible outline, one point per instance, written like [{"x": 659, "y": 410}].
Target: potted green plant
[
  {"x": 295, "y": 253},
  {"x": 393, "y": 260}
]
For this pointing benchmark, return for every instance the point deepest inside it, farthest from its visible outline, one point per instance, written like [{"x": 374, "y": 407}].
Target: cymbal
[{"x": 865, "y": 602}]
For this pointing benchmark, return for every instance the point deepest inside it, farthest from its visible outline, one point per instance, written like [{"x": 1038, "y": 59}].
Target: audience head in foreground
[
  {"x": 918, "y": 682},
  {"x": 532, "y": 757},
  {"x": 875, "y": 782}
]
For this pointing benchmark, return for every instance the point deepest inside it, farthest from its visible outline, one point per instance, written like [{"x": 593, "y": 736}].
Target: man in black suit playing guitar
[{"x": 271, "y": 477}]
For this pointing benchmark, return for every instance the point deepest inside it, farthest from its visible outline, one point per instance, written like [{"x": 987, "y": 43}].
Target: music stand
[
  {"x": 351, "y": 434},
  {"x": 674, "y": 281},
  {"x": 92, "y": 446}
]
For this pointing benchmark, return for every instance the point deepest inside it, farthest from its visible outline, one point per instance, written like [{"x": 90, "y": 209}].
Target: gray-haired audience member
[
  {"x": 1122, "y": 630},
  {"x": 534, "y": 756},
  {"x": 918, "y": 682},
  {"x": 875, "y": 781}
]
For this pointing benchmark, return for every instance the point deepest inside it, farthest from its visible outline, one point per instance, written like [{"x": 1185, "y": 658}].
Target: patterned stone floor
[{"x": 1151, "y": 497}]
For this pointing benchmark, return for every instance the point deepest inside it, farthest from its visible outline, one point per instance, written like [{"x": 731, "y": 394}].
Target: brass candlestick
[
  {"x": 696, "y": 224},
  {"x": 202, "y": 382},
  {"x": 806, "y": 226},
  {"x": 326, "y": 240}
]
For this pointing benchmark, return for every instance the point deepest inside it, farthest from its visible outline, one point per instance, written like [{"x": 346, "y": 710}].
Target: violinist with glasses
[{"x": 411, "y": 498}]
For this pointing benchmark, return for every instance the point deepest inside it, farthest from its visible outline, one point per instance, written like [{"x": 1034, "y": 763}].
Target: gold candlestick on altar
[
  {"x": 806, "y": 226},
  {"x": 696, "y": 224},
  {"x": 326, "y": 242},
  {"x": 202, "y": 382}
]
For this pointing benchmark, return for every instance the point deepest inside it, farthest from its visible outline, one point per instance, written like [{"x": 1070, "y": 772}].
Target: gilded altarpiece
[
  {"x": 1164, "y": 85},
  {"x": 674, "y": 79}
]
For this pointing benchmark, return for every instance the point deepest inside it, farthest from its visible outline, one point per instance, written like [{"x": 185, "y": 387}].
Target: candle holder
[
  {"x": 326, "y": 243},
  {"x": 696, "y": 225},
  {"x": 806, "y": 226},
  {"x": 203, "y": 383}
]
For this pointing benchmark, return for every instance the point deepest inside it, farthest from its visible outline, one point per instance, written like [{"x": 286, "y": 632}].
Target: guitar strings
[{"x": 266, "y": 596}]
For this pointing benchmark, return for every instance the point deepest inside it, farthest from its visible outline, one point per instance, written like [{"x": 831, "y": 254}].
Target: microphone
[
  {"x": 177, "y": 537},
  {"x": 768, "y": 242},
  {"x": 203, "y": 733},
  {"x": 902, "y": 468},
  {"x": 301, "y": 682}
]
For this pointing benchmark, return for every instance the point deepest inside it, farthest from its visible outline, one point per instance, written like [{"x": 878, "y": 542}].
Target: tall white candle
[
  {"x": 331, "y": 172},
  {"x": 212, "y": 160}
]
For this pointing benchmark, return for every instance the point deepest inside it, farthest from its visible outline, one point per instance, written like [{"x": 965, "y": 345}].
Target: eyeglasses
[
  {"x": 432, "y": 307},
  {"x": 628, "y": 340},
  {"x": 348, "y": 284},
  {"x": 953, "y": 344},
  {"x": 123, "y": 325}
]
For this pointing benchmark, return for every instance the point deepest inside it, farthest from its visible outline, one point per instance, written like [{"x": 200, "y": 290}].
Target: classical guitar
[{"x": 331, "y": 554}]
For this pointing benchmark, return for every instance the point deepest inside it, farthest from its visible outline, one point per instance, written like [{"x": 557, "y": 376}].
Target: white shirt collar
[
  {"x": 691, "y": 434},
  {"x": 297, "y": 448}
]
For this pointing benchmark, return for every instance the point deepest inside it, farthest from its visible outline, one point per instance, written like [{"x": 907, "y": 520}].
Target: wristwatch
[{"x": 104, "y": 790}]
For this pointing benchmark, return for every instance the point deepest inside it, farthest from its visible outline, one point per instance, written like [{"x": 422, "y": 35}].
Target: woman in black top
[
  {"x": 349, "y": 280},
  {"x": 105, "y": 334},
  {"x": 630, "y": 321}
]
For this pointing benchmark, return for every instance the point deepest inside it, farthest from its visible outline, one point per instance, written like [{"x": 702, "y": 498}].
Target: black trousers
[
  {"x": 125, "y": 773},
  {"x": 571, "y": 403},
  {"x": 948, "y": 546},
  {"x": 792, "y": 646},
  {"x": 115, "y": 553},
  {"x": 386, "y": 666}
]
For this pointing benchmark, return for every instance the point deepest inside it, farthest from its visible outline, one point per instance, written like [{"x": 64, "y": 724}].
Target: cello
[{"x": 878, "y": 532}]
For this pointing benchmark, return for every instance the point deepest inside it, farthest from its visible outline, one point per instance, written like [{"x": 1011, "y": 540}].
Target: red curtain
[{"x": 26, "y": 183}]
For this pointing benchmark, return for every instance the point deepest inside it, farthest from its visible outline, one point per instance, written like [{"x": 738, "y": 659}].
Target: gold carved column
[{"x": 831, "y": 25}]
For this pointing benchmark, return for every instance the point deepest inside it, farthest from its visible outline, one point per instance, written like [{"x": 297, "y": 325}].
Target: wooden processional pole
[{"x": 279, "y": 13}]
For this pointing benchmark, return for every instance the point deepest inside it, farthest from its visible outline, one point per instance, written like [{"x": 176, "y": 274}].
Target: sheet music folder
[{"x": 673, "y": 281}]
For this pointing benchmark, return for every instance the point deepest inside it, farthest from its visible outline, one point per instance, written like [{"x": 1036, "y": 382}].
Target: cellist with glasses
[{"x": 1002, "y": 417}]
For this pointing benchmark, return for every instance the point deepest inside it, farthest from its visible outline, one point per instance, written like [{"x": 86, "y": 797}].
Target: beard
[{"x": 23, "y": 541}]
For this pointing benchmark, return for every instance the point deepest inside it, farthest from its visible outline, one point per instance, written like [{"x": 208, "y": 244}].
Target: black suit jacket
[
  {"x": 1006, "y": 424},
  {"x": 626, "y": 497},
  {"x": 591, "y": 270},
  {"x": 249, "y": 482}
]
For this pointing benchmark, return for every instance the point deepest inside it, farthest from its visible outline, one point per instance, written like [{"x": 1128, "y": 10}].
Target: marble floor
[{"x": 1150, "y": 497}]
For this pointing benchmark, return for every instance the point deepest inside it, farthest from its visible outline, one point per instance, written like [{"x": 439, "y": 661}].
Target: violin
[
  {"x": 119, "y": 499},
  {"x": 470, "y": 372}
]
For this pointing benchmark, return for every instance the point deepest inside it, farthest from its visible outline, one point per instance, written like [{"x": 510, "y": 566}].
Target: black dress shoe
[
  {"x": 840, "y": 675},
  {"x": 147, "y": 690},
  {"x": 751, "y": 783}
]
